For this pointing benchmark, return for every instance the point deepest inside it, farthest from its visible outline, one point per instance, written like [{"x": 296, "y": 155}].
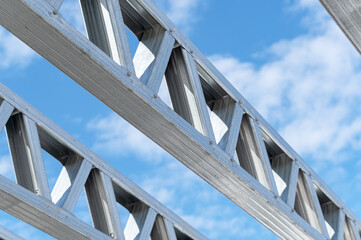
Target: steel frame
[
  {"x": 240, "y": 154},
  {"x": 30, "y": 199}
]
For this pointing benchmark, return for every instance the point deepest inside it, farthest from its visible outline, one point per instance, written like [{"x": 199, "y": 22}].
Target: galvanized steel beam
[{"x": 251, "y": 182}]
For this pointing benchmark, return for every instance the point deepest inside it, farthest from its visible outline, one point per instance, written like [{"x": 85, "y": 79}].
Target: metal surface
[{"x": 187, "y": 132}]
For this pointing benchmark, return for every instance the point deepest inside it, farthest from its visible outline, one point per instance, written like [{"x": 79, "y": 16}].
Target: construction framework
[{"x": 211, "y": 129}]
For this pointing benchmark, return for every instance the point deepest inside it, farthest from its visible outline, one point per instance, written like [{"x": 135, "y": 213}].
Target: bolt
[
  {"x": 191, "y": 52},
  {"x": 232, "y": 160},
  {"x": 256, "y": 119},
  {"x": 170, "y": 30},
  {"x": 55, "y": 12},
  {"x": 36, "y": 191},
  {"x": 155, "y": 95},
  {"x": 292, "y": 210},
  {"x": 275, "y": 196},
  {"x": 112, "y": 235},
  {"x": 129, "y": 74},
  {"x": 211, "y": 142},
  {"x": 240, "y": 102}
]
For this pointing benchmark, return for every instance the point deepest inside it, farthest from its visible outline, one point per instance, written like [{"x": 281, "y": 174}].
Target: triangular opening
[
  {"x": 350, "y": 231},
  {"x": 70, "y": 181},
  {"x": 221, "y": 119},
  {"x": 55, "y": 155},
  {"x": 281, "y": 170},
  {"x": 71, "y": 11},
  {"x": 53, "y": 168},
  {"x": 164, "y": 93},
  {"x": 81, "y": 209},
  {"x": 125, "y": 203},
  {"x": 281, "y": 165},
  {"x": 123, "y": 214},
  {"x": 330, "y": 212},
  {"x": 181, "y": 236},
  {"x": 221, "y": 107},
  {"x": 186, "y": 92},
  {"x": 154, "y": 44},
  {"x": 144, "y": 36},
  {"x": 249, "y": 153},
  {"x": 133, "y": 41},
  {"x": 304, "y": 203},
  {"x": 6, "y": 165},
  {"x": 138, "y": 221},
  {"x": 159, "y": 231}
]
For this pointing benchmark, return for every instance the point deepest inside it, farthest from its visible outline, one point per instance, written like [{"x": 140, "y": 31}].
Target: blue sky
[{"x": 288, "y": 58}]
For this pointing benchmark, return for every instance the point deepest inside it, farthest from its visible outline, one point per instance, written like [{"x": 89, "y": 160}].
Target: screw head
[
  {"x": 155, "y": 95},
  {"x": 129, "y": 74},
  {"x": 55, "y": 12},
  {"x": 191, "y": 51},
  {"x": 211, "y": 142}
]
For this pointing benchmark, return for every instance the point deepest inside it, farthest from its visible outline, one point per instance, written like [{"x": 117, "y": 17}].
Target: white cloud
[
  {"x": 16, "y": 54},
  {"x": 71, "y": 11},
  {"x": 182, "y": 13},
  {"x": 117, "y": 137},
  {"x": 13, "y": 52},
  {"x": 309, "y": 90}
]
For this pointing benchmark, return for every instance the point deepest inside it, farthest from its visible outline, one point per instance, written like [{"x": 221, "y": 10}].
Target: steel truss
[
  {"x": 233, "y": 148},
  {"x": 29, "y": 131}
]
